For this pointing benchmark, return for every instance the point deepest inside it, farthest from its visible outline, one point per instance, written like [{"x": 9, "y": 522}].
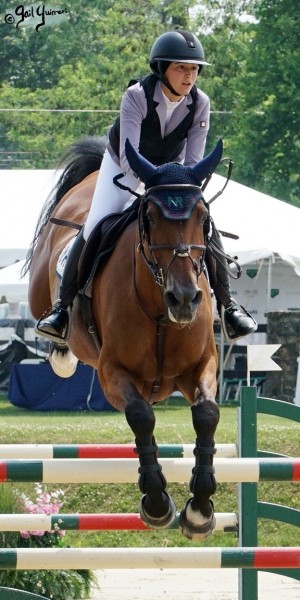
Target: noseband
[{"x": 179, "y": 250}]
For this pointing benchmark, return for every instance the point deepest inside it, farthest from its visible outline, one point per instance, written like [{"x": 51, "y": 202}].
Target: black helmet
[{"x": 177, "y": 46}]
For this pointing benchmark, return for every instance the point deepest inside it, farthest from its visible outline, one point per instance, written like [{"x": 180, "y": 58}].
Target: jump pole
[
  {"x": 149, "y": 558},
  {"x": 96, "y": 522},
  {"x": 234, "y": 470},
  {"x": 104, "y": 451}
]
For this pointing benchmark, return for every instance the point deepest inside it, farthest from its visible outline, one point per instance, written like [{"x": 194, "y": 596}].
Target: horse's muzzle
[{"x": 183, "y": 303}]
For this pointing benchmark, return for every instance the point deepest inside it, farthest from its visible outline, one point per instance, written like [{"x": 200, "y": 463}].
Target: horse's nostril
[
  {"x": 198, "y": 297},
  {"x": 173, "y": 300}
]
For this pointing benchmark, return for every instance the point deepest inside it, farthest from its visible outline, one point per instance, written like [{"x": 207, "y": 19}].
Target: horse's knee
[
  {"x": 140, "y": 416},
  {"x": 205, "y": 415}
]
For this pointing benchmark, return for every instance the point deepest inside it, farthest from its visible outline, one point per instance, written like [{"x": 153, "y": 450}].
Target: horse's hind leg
[
  {"x": 157, "y": 507},
  {"x": 197, "y": 518}
]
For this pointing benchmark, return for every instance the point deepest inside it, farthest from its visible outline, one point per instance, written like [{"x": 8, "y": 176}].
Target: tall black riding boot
[
  {"x": 55, "y": 324},
  {"x": 236, "y": 320}
]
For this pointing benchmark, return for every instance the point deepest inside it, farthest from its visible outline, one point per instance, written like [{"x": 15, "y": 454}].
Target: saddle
[
  {"x": 96, "y": 252},
  {"x": 101, "y": 244}
]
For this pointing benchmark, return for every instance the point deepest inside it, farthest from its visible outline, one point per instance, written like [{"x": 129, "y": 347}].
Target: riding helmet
[{"x": 175, "y": 46}]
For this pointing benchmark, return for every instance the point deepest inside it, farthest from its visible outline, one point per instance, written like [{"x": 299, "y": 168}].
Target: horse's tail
[{"x": 80, "y": 160}]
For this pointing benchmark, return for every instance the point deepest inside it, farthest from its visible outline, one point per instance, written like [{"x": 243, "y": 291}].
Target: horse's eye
[
  {"x": 203, "y": 217},
  {"x": 150, "y": 218}
]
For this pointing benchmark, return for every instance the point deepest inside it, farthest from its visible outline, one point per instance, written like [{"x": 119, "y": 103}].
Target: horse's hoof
[
  {"x": 193, "y": 531},
  {"x": 159, "y": 522}
]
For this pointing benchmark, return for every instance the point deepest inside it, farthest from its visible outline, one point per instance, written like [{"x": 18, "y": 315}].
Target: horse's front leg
[
  {"x": 197, "y": 518},
  {"x": 157, "y": 507}
]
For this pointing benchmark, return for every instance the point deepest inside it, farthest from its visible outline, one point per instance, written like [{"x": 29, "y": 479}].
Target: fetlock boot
[
  {"x": 55, "y": 324},
  {"x": 236, "y": 320}
]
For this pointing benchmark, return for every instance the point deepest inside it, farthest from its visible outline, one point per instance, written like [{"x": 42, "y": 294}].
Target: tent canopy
[
  {"x": 266, "y": 226},
  {"x": 23, "y": 193},
  {"x": 12, "y": 285}
]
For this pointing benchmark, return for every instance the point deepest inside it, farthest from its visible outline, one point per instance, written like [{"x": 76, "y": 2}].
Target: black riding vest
[{"x": 157, "y": 149}]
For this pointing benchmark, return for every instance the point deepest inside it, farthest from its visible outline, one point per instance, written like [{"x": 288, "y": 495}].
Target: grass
[{"x": 173, "y": 425}]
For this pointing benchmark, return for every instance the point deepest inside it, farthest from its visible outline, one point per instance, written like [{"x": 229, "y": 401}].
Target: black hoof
[
  {"x": 197, "y": 532},
  {"x": 159, "y": 522}
]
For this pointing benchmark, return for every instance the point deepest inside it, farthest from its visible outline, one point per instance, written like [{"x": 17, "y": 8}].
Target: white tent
[
  {"x": 267, "y": 248},
  {"x": 267, "y": 229},
  {"x": 12, "y": 285},
  {"x": 265, "y": 226},
  {"x": 23, "y": 193}
]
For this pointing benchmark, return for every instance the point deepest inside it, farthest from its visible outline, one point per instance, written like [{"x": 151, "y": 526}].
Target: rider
[{"x": 166, "y": 118}]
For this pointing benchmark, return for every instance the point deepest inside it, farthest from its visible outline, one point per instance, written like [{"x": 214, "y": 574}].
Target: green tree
[
  {"x": 268, "y": 141},
  {"x": 224, "y": 27},
  {"x": 32, "y": 59},
  {"x": 110, "y": 47},
  {"x": 85, "y": 63}
]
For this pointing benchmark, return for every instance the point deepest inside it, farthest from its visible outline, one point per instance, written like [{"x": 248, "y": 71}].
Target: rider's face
[{"x": 181, "y": 77}]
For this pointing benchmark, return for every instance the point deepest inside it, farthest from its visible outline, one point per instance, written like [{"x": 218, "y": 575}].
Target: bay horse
[{"x": 152, "y": 314}]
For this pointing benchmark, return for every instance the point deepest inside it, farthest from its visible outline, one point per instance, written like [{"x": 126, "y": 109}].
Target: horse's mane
[{"x": 80, "y": 160}]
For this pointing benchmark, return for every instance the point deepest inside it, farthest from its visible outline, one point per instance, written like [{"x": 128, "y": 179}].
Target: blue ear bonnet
[
  {"x": 171, "y": 173},
  {"x": 176, "y": 202},
  {"x": 181, "y": 185}
]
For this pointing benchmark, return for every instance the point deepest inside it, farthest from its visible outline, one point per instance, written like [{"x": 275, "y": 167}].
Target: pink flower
[{"x": 46, "y": 503}]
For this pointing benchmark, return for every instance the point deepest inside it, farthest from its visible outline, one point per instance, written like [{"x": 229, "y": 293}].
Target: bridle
[{"x": 179, "y": 251}]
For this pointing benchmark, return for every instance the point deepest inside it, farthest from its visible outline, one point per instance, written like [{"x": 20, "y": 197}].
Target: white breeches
[{"x": 108, "y": 198}]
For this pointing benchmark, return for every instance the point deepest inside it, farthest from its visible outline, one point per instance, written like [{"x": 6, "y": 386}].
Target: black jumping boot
[
  {"x": 236, "y": 320},
  {"x": 55, "y": 325}
]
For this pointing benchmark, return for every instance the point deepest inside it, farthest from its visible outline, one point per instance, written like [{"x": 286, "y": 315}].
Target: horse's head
[{"x": 171, "y": 221}]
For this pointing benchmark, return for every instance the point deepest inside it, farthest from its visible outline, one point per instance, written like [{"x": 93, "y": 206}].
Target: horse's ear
[
  {"x": 207, "y": 165},
  {"x": 140, "y": 165}
]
